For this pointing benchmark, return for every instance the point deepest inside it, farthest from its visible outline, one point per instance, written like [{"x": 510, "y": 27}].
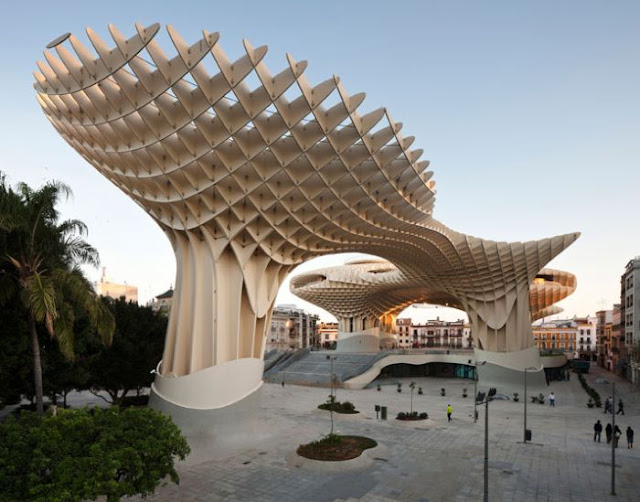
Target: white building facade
[
  {"x": 291, "y": 328},
  {"x": 586, "y": 335},
  {"x": 327, "y": 335},
  {"x": 433, "y": 333}
]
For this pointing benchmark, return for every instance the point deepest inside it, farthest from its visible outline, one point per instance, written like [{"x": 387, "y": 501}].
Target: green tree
[
  {"x": 16, "y": 378},
  {"x": 136, "y": 349},
  {"x": 62, "y": 374},
  {"x": 89, "y": 453},
  {"x": 41, "y": 258}
]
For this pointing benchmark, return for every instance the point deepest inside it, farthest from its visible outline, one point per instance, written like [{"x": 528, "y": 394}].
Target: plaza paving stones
[{"x": 442, "y": 462}]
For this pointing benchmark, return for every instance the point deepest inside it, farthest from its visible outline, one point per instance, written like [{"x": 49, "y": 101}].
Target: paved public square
[{"x": 428, "y": 461}]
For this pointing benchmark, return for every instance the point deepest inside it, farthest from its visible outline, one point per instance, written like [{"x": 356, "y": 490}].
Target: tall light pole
[
  {"x": 525, "y": 401},
  {"x": 333, "y": 398},
  {"x": 613, "y": 442},
  {"x": 475, "y": 389},
  {"x": 484, "y": 399}
]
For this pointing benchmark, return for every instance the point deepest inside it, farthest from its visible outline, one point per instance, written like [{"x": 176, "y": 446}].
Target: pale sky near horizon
[{"x": 528, "y": 111}]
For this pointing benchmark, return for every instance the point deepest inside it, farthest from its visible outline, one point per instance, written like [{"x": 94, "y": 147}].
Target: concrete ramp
[{"x": 356, "y": 371}]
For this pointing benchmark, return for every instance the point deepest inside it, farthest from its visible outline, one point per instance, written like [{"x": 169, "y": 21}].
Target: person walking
[
  {"x": 629, "y": 437},
  {"x": 607, "y": 403},
  {"x": 608, "y": 432},
  {"x": 597, "y": 430},
  {"x": 552, "y": 400},
  {"x": 616, "y": 435},
  {"x": 620, "y": 407},
  {"x": 449, "y": 412}
]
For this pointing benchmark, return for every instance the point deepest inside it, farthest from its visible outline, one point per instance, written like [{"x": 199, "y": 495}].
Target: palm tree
[{"x": 40, "y": 262}]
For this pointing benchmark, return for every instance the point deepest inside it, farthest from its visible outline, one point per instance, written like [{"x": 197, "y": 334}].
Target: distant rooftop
[{"x": 167, "y": 294}]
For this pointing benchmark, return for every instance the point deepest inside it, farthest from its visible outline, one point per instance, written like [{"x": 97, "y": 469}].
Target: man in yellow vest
[{"x": 449, "y": 411}]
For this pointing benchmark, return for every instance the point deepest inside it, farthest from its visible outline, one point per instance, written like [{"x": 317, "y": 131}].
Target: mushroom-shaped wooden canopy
[
  {"x": 250, "y": 173},
  {"x": 370, "y": 293}
]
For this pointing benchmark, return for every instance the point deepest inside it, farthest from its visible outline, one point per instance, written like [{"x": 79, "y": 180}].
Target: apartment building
[
  {"x": 586, "y": 340},
  {"x": 327, "y": 335},
  {"x": 630, "y": 318},
  {"x": 291, "y": 328},
  {"x": 107, "y": 287},
  {"x": 433, "y": 333},
  {"x": 556, "y": 335}
]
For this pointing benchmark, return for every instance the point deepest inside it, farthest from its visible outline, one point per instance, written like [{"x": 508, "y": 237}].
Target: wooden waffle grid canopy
[
  {"x": 374, "y": 289},
  {"x": 249, "y": 182}
]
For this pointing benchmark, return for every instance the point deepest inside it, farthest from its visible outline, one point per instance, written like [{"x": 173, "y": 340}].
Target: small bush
[
  {"x": 328, "y": 440},
  {"x": 347, "y": 407},
  {"x": 83, "y": 454},
  {"x": 403, "y": 415}
]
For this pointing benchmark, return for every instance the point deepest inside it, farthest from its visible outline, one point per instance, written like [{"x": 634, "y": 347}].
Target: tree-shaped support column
[{"x": 222, "y": 308}]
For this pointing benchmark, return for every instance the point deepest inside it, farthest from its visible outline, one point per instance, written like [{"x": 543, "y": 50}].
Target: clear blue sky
[{"x": 528, "y": 111}]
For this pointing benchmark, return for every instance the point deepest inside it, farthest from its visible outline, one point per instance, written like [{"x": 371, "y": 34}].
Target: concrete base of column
[
  {"x": 211, "y": 388},
  {"x": 224, "y": 431}
]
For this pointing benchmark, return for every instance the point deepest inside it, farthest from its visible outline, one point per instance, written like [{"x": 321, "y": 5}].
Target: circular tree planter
[{"x": 336, "y": 448}]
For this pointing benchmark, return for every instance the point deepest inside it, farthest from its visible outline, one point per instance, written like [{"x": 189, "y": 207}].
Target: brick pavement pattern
[{"x": 430, "y": 461}]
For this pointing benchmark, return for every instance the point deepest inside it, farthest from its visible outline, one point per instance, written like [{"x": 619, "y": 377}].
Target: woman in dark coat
[{"x": 609, "y": 432}]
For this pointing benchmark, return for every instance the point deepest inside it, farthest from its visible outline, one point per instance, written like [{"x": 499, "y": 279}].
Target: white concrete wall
[{"x": 213, "y": 387}]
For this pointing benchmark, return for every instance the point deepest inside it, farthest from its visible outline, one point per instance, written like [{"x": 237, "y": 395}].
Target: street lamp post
[
  {"x": 614, "y": 440},
  {"x": 486, "y": 450},
  {"x": 475, "y": 389},
  {"x": 525, "y": 401},
  {"x": 333, "y": 398},
  {"x": 484, "y": 399}
]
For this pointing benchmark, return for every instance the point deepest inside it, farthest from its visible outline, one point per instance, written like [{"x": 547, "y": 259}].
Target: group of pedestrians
[
  {"x": 612, "y": 434},
  {"x": 609, "y": 406}
]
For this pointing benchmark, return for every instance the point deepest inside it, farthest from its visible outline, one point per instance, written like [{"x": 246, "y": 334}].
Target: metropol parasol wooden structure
[
  {"x": 367, "y": 295},
  {"x": 248, "y": 183}
]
